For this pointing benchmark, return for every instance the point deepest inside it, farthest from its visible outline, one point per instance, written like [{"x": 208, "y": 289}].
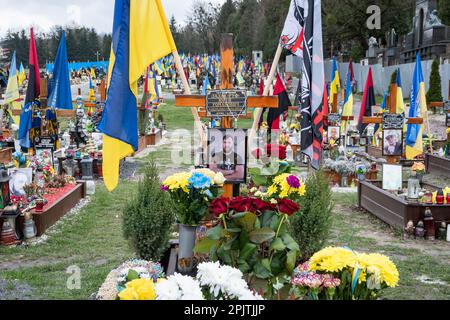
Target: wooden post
[
  {"x": 44, "y": 93},
  {"x": 102, "y": 90},
  {"x": 227, "y": 74},
  {"x": 334, "y": 106},
  {"x": 393, "y": 102}
]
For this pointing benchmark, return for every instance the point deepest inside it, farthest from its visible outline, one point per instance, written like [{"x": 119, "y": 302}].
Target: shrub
[
  {"x": 434, "y": 94},
  {"x": 148, "y": 217},
  {"x": 311, "y": 226}
]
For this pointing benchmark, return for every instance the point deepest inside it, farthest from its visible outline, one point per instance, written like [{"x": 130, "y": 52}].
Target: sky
[{"x": 43, "y": 14}]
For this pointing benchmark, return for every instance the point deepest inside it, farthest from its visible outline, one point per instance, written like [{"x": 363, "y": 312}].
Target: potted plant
[{"x": 192, "y": 193}]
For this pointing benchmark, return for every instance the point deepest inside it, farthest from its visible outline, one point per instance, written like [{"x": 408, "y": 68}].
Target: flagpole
[
  {"x": 187, "y": 91},
  {"x": 273, "y": 70}
]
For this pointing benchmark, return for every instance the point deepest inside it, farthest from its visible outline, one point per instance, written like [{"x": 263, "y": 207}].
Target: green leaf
[
  {"x": 266, "y": 264},
  {"x": 214, "y": 233},
  {"x": 291, "y": 258},
  {"x": 243, "y": 239},
  {"x": 224, "y": 256},
  {"x": 233, "y": 230},
  {"x": 247, "y": 251},
  {"x": 277, "y": 245},
  {"x": 260, "y": 271},
  {"x": 243, "y": 266},
  {"x": 257, "y": 224},
  {"x": 290, "y": 243},
  {"x": 266, "y": 218},
  {"x": 276, "y": 265},
  {"x": 204, "y": 246},
  {"x": 247, "y": 221},
  {"x": 261, "y": 235},
  {"x": 132, "y": 275},
  {"x": 275, "y": 222},
  {"x": 238, "y": 215}
]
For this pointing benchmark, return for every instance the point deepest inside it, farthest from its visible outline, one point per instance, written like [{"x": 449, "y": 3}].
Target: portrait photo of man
[
  {"x": 392, "y": 143},
  {"x": 227, "y": 150},
  {"x": 333, "y": 133}
]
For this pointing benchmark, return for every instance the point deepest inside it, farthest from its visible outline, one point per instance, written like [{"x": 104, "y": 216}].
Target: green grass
[{"x": 91, "y": 240}]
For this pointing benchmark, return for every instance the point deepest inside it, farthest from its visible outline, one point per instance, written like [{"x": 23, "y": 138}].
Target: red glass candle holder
[
  {"x": 439, "y": 199},
  {"x": 39, "y": 205},
  {"x": 448, "y": 198}
]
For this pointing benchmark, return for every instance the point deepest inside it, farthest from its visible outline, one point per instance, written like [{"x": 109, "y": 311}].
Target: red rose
[
  {"x": 241, "y": 204},
  {"x": 275, "y": 150},
  {"x": 260, "y": 206},
  {"x": 219, "y": 206},
  {"x": 288, "y": 207}
]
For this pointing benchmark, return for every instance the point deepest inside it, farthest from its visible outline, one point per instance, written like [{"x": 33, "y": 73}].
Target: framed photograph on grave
[
  {"x": 363, "y": 141},
  {"x": 41, "y": 150},
  {"x": 393, "y": 142},
  {"x": 227, "y": 150},
  {"x": 334, "y": 133},
  {"x": 392, "y": 176},
  {"x": 20, "y": 177}
]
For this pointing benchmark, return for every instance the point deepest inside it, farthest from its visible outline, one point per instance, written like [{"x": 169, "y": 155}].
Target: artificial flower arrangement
[
  {"x": 192, "y": 193},
  {"x": 212, "y": 282},
  {"x": 337, "y": 273},
  {"x": 253, "y": 235},
  {"x": 20, "y": 160},
  {"x": 361, "y": 169},
  {"x": 418, "y": 167},
  {"x": 39, "y": 162},
  {"x": 295, "y": 126},
  {"x": 136, "y": 269}
]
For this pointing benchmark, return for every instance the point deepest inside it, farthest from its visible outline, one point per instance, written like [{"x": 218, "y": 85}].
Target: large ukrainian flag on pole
[
  {"x": 335, "y": 81},
  {"x": 141, "y": 36},
  {"x": 418, "y": 107},
  {"x": 348, "y": 104}
]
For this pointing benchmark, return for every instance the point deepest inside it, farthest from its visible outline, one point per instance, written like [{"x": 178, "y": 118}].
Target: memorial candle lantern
[
  {"x": 429, "y": 225},
  {"x": 39, "y": 205},
  {"x": 87, "y": 170},
  {"x": 4, "y": 185},
  {"x": 440, "y": 197},
  {"x": 428, "y": 198},
  {"x": 413, "y": 188}
]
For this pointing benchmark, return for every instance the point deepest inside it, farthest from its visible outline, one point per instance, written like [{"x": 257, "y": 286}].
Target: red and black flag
[
  {"x": 313, "y": 79},
  {"x": 367, "y": 102},
  {"x": 34, "y": 77},
  {"x": 273, "y": 118}
]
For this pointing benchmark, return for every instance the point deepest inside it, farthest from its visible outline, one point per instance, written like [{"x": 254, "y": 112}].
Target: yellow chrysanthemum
[
  {"x": 140, "y": 289},
  {"x": 286, "y": 190},
  {"x": 178, "y": 181},
  {"x": 333, "y": 259},
  {"x": 376, "y": 261},
  {"x": 272, "y": 190}
]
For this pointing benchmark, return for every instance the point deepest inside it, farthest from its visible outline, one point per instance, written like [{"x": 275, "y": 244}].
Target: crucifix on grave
[
  {"x": 226, "y": 103},
  {"x": 391, "y": 121}
]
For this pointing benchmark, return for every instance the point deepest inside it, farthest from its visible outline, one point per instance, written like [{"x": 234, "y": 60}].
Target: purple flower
[
  {"x": 164, "y": 188},
  {"x": 293, "y": 181}
]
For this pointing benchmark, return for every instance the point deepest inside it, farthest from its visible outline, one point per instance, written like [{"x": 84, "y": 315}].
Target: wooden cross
[
  {"x": 392, "y": 102},
  {"x": 227, "y": 75}
]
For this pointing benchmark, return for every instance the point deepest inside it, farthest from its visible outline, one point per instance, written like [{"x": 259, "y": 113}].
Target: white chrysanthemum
[{"x": 167, "y": 290}]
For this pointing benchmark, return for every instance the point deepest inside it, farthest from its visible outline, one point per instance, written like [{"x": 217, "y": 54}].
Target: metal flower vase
[{"x": 187, "y": 236}]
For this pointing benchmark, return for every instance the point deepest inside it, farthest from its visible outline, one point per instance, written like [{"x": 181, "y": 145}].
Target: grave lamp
[
  {"x": 429, "y": 225},
  {"x": 413, "y": 188},
  {"x": 87, "y": 168},
  {"x": 5, "y": 197}
]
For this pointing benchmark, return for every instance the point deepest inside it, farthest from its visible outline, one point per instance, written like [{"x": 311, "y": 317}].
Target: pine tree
[{"x": 434, "y": 94}]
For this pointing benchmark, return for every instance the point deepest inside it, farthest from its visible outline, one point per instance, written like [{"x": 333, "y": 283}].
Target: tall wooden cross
[
  {"x": 227, "y": 76},
  {"x": 392, "y": 102}
]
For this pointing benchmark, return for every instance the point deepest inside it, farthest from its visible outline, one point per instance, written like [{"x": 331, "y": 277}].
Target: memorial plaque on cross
[
  {"x": 392, "y": 159},
  {"x": 217, "y": 101}
]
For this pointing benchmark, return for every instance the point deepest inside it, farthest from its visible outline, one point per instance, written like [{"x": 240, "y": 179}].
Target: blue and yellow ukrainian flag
[
  {"x": 22, "y": 75},
  {"x": 335, "y": 81},
  {"x": 400, "y": 104},
  {"x": 418, "y": 107},
  {"x": 377, "y": 128},
  {"x": 91, "y": 96},
  {"x": 348, "y": 103},
  {"x": 141, "y": 36}
]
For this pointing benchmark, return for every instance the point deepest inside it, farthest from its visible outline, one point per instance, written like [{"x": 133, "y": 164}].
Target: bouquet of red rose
[{"x": 253, "y": 235}]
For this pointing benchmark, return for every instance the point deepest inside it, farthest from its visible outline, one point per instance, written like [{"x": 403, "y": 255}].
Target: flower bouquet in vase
[
  {"x": 419, "y": 169},
  {"x": 192, "y": 193}
]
